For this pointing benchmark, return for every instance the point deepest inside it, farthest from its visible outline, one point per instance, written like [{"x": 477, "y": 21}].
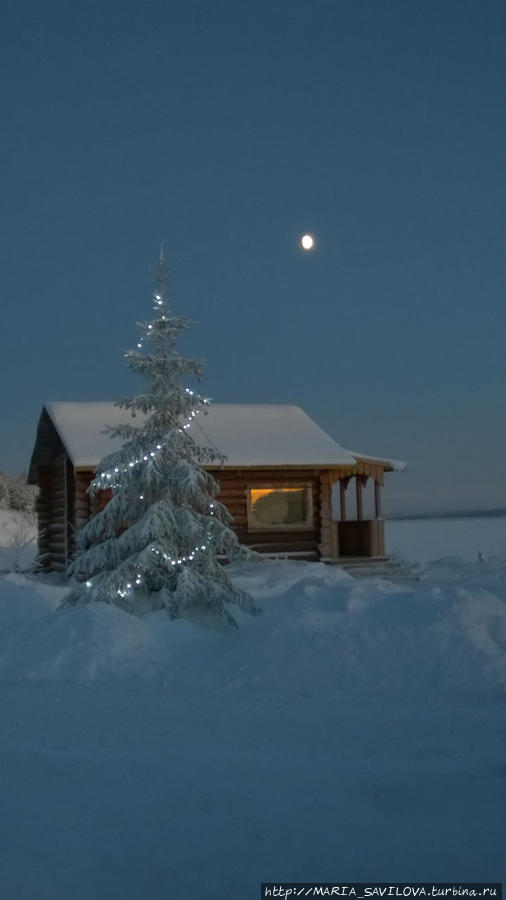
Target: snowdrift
[
  {"x": 355, "y": 730},
  {"x": 321, "y": 634}
]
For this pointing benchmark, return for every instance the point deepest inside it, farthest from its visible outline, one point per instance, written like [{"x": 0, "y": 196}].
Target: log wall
[
  {"x": 233, "y": 494},
  {"x": 82, "y": 508},
  {"x": 60, "y": 514},
  {"x": 43, "y": 510},
  {"x": 320, "y": 540},
  {"x": 234, "y": 485}
]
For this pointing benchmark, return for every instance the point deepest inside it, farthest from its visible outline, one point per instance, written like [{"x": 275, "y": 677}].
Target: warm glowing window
[{"x": 280, "y": 507}]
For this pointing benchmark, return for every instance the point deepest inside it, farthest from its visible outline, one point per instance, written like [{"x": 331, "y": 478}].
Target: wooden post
[
  {"x": 343, "y": 484},
  {"x": 358, "y": 485},
  {"x": 377, "y": 499},
  {"x": 325, "y": 546}
]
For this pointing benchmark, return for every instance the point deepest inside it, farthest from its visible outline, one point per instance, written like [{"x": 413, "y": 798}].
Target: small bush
[
  {"x": 4, "y": 491},
  {"x": 18, "y": 542},
  {"x": 15, "y": 493}
]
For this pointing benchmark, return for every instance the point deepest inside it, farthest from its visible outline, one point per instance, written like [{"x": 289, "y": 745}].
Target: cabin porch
[{"x": 361, "y": 536}]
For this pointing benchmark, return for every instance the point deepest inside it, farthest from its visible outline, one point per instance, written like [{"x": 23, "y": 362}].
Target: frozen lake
[{"x": 423, "y": 540}]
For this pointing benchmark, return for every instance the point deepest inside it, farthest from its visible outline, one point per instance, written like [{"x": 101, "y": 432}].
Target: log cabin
[{"x": 291, "y": 489}]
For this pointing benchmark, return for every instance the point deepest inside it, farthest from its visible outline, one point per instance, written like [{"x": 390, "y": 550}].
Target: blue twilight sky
[{"x": 227, "y": 129}]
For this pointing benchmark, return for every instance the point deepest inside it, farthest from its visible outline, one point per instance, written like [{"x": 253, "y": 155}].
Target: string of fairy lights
[
  {"x": 111, "y": 479},
  {"x": 172, "y": 561},
  {"x": 158, "y": 304},
  {"x": 111, "y": 476}
]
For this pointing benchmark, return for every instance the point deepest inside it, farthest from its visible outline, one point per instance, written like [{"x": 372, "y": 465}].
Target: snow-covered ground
[{"x": 354, "y": 731}]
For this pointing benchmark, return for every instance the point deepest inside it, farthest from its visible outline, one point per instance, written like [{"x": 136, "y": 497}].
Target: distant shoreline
[{"x": 465, "y": 514}]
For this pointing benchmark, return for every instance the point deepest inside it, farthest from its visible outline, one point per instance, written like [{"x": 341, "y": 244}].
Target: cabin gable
[{"x": 52, "y": 470}]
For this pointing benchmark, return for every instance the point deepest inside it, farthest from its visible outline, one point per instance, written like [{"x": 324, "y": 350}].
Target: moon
[{"x": 307, "y": 241}]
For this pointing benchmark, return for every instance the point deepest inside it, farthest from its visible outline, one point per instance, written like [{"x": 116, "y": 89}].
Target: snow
[
  {"x": 81, "y": 427},
  {"x": 248, "y": 434},
  {"x": 396, "y": 465},
  {"x": 354, "y": 730},
  {"x": 422, "y": 540},
  {"x": 270, "y": 435}
]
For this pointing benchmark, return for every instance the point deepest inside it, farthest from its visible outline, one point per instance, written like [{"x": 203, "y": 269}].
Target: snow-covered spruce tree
[{"x": 156, "y": 543}]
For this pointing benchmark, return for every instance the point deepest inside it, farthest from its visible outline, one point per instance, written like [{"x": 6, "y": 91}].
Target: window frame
[{"x": 307, "y": 525}]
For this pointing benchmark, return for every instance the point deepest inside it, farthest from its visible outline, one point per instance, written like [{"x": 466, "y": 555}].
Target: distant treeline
[
  {"x": 15, "y": 493},
  {"x": 465, "y": 514}
]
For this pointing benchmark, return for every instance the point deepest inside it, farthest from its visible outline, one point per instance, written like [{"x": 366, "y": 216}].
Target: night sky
[{"x": 227, "y": 129}]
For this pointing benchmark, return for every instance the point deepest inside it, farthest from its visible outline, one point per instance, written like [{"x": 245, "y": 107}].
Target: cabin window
[{"x": 280, "y": 507}]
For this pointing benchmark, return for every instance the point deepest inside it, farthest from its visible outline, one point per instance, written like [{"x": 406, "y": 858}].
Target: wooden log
[
  {"x": 266, "y": 477},
  {"x": 231, "y": 490},
  {"x": 285, "y": 537},
  {"x": 282, "y": 547},
  {"x": 238, "y": 513},
  {"x": 236, "y": 508}
]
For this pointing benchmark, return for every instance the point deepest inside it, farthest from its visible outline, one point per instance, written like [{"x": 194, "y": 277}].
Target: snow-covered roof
[
  {"x": 396, "y": 465},
  {"x": 247, "y": 434}
]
